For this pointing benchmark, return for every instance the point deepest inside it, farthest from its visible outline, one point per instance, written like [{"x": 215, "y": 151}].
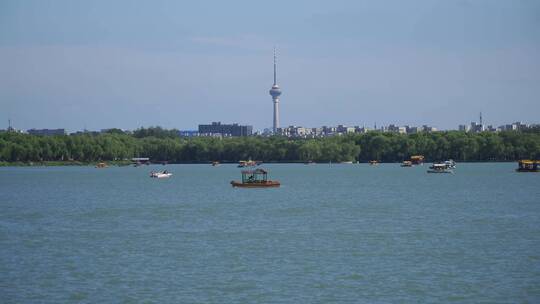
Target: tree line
[{"x": 164, "y": 145}]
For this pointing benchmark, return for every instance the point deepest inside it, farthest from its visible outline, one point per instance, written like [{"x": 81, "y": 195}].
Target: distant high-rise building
[
  {"x": 411, "y": 129},
  {"x": 47, "y": 132},
  {"x": 275, "y": 92},
  {"x": 491, "y": 128},
  {"x": 188, "y": 133},
  {"x": 216, "y": 128},
  {"x": 426, "y": 128},
  {"x": 475, "y": 127}
]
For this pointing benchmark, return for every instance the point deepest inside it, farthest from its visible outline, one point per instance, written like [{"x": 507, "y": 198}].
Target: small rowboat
[{"x": 163, "y": 174}]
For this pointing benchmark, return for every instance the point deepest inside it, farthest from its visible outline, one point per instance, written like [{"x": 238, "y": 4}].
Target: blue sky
[{"x": 126, "y": 64}]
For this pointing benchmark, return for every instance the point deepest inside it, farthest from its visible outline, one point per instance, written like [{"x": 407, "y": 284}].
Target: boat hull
[
  {"x": 268, "y": 184},
  {"x": 161, "y": 175},
  {"x": 439, "y": 171}
]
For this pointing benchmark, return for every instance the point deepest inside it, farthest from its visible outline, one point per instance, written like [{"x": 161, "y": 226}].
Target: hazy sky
[{"x": 125, "y": 64}]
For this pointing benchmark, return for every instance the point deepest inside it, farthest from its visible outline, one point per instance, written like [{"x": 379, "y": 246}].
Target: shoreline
[
  {"x": 63, "y": 163},
  {"x": 125, "y": 163}
]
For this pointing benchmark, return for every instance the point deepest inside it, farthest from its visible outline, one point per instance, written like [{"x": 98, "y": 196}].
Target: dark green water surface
[{"x": 330, "y": 234}]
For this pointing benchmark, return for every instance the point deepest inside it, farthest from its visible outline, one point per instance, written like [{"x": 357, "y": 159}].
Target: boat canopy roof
[
  {"x": 256, "y": 171},
  {"x": 529, "y": 161},
  {"x": 417, "y": 157}
]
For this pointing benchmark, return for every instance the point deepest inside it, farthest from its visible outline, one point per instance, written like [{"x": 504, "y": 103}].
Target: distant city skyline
[
  {"x": 94, "y": 65},
  {"x": 236, "y": 129}
]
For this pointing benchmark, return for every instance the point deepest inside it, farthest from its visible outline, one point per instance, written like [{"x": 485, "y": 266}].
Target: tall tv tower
[
  {"x": 275, "y": 92},
  {"x": 481, "y": 118}
]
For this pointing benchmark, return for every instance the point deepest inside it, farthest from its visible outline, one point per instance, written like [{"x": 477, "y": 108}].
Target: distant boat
[
  {"x": 257, "y": 178},
  {"x": 310, "y": 162},
  {"x": 215, "y": 163},
  {"x": 101, "y": 165},
  {"x": 528, "y": 166},
  {"x": 373, "y": 162},
  {"x": 138, "y": 161},
  {"x": 162, "y": 174},
  {"x": 248, "y": 163},
  {"x": 450, "y": 164},
  {"x": 417, "y": 159},
  {"x": 346, "y": 162},
  {"x": 439, "y": 168},
  {"x": 406, "y": 163}
]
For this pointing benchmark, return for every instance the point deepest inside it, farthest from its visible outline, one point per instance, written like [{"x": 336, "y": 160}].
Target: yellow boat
[
  {"x": 417, "y": 159},
  {"x": 527, "y": 165}
]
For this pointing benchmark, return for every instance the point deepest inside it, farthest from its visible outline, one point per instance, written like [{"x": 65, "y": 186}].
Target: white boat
[
  {"x": 450, "y": 164},
  {"x": 163, "y": 174},
  {"x": 439, "y": 168}
]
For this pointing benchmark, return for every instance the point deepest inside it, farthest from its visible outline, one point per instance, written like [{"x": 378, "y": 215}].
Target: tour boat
[
  {"x": 215, "y": 163},
  {"x": 526, "y": 165},
  {"x": 162, "y": 174},
  {"x": 439, "y": 168},
  {"x": 406, "y": 163},
  {"x": 373, "y": 162},
  {"x": 101, "y": 165},
  {"x": 417, "y": 159},
  {"x": 257, "y": 178},
  {"x": 247, "y": 163}
]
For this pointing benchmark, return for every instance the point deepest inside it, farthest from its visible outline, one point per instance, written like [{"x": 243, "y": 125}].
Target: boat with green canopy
[{"x": 257, "y": 178}]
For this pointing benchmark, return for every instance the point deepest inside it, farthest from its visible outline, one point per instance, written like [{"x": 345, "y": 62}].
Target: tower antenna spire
[{"x": 275, "y": 76}]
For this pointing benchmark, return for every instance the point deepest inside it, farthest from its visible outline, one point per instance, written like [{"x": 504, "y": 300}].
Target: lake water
[{"x": 330, "y": 234}]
